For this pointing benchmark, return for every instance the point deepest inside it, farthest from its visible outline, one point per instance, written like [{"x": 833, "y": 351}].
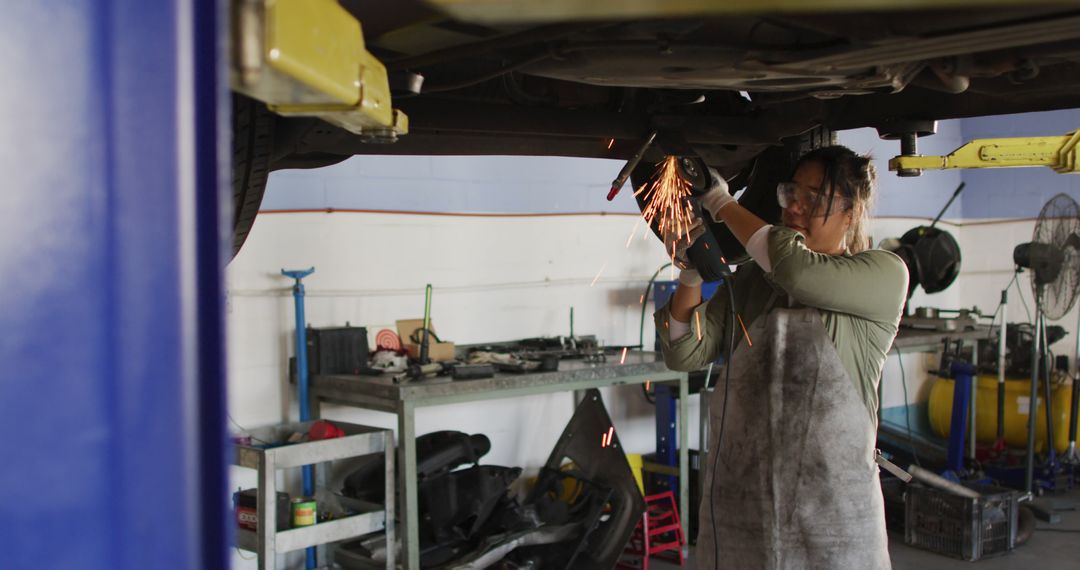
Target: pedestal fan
[{"x": 1053, "y": 258}]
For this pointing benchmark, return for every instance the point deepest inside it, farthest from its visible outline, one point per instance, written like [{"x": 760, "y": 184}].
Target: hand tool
[{"x": 624, "y": 174}]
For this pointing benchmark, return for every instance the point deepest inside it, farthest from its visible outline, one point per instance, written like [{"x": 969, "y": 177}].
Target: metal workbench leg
[
  {"x": 684, "y": 455},
  {"x": 266, "y": 496},
  {"x": 388, "y": 502},
  {"x": 410, "y": 517}
]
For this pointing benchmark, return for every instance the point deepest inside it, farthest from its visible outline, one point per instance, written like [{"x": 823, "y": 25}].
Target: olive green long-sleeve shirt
[{"x": 860, "y": 298}]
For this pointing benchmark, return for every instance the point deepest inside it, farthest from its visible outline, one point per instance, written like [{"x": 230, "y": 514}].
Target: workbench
[
  {"x": 918, "y": 340},
  {"x": 380, "y": 393}
]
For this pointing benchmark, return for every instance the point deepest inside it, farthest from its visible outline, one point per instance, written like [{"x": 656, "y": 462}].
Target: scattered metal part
[{"x": 498, "y": 547}]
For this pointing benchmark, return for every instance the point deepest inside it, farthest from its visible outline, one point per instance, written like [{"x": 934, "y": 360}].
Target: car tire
[{"x": 252, "y": 144}]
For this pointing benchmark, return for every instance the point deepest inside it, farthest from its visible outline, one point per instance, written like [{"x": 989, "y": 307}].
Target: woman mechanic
[{"x": 791, "y": 480}]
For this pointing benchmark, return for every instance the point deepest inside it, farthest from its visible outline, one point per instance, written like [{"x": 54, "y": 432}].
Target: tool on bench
[
  {"x": 425, "y": 333},
  {"x": 423, "y": 367}
]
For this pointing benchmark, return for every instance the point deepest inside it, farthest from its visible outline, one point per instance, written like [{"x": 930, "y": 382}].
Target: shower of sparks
[
  {"x": 746, "y": 334},
  {"x": 594, "y": 279},
  {"x": 622, "y": 359},
  {"x": 697, "y": 319},
  {"x": 666, "y": 200},
  {"x": 633, "y": 232},
  {"x": 610, "y": 144}
]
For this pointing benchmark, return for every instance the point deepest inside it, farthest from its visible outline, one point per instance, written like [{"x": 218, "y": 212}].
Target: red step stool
[{"x": 658, "y": 531}]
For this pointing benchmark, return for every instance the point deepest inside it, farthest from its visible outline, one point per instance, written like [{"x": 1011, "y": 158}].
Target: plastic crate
[{"x": 970, "y": 529}]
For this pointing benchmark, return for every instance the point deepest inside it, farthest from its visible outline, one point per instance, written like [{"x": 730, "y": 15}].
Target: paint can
[{"x": 303, "y": 511}]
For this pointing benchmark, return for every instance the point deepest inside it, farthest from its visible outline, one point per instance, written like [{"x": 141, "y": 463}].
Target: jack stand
[
  {"x": 963, "y": 378},
  {"x": 298, "y": 275}
]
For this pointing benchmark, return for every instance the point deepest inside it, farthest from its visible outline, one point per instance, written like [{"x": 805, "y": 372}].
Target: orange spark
[
  {"x": 632, "y": 233},
  {"x": 697, "y": 318},
  {"x": 622, "y": 359},
  {"x": 610, "y": 144},
  {"x": 746, "y": 334},
  {"x": 666, "y": 199},
  {"x": 642, "y": 301},
  {"x": 647, "y": 384},
  {"x": 610, "y": 434},
  {"x": 597, "y": 275}
]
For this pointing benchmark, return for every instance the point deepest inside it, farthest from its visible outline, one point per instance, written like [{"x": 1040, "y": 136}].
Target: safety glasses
[{"x": 815, "y": 204}]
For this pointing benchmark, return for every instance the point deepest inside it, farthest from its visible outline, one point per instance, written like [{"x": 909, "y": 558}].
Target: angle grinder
[{"x": 707, "y": 253}]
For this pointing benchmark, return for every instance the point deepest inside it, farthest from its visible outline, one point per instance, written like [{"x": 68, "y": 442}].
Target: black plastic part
[
  {"x": 600, "y": 467},
  {"x": 932, "y": 257},
  {"x": 457, "y": 507},
  {"x": 472, "y": 371},
  {"x": 342, "y": 350}
]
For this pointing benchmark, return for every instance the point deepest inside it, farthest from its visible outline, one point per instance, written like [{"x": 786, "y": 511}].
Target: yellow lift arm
[
  {"x": 1059, "y": 153},
  {"x": 308, "y": 58}
]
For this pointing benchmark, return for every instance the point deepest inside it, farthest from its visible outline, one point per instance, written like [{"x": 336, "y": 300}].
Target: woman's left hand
[{"x": 717, "y": 195}]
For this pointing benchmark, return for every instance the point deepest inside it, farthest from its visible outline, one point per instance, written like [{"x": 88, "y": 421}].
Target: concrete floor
[{"x": 1047, "y": 550}]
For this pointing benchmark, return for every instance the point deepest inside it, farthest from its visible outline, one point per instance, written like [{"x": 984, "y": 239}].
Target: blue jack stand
[
  {"x": 963, "y": 378},
  {"x": 302, "y": 381}
]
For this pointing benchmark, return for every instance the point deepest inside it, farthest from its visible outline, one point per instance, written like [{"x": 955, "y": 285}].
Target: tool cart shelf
[{"x": 358, "y": 441}]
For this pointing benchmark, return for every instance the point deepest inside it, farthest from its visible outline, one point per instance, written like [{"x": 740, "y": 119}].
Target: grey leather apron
[{"x": 795, "y": 484}]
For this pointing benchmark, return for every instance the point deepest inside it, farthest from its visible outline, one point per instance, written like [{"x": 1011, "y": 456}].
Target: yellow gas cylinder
[{"x": 1017, "y": 397}]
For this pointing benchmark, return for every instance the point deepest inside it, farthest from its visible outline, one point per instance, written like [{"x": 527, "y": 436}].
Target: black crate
[
  {"x": 960, "y": 527},
  {"x": 342, "y": 350}
]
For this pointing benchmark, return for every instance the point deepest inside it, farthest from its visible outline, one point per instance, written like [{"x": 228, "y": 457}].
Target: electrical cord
[
  {"x": 907, "y": 409},
  {"x": 1019, "y": 293},
  {"x": 641, "y": 328},
  {"x": 723, "y": 414}
]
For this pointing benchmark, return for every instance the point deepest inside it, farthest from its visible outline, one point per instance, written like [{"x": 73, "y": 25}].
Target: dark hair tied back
[{"x": 854, "y": 177}]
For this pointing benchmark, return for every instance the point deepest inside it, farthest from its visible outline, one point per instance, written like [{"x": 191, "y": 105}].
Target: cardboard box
[{"x": 437, "y": 351}]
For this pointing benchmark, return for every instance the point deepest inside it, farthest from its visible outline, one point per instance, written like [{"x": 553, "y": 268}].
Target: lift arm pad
[{"x": 308, "y": 58}]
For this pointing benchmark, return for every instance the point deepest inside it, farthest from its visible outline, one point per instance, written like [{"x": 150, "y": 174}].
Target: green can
[{"x": 304, "y": 510}]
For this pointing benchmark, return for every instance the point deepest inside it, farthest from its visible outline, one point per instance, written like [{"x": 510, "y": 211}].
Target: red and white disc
[{"x": 387, "y": 340}]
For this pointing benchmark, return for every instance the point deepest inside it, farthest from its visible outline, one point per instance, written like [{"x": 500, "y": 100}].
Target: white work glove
[
  {"x": 717, "y": 196},
  {"x": 676, "y": 244}
]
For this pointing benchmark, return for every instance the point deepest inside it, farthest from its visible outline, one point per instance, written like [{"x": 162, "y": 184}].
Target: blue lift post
[
  {"x": 298, "y": 275},
  {"x": 113, "y": 241}
]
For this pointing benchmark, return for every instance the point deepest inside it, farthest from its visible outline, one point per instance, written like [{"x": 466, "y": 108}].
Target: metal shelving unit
[{"x": 358, "y": 441}]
